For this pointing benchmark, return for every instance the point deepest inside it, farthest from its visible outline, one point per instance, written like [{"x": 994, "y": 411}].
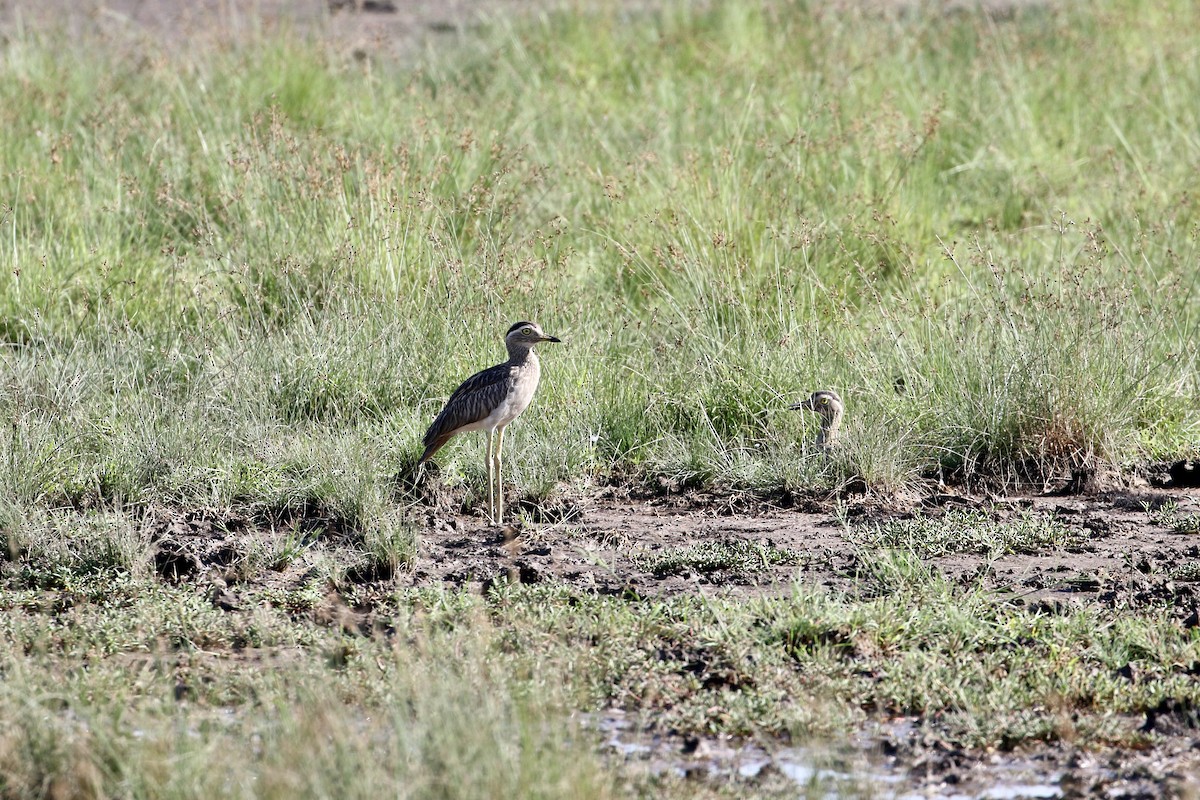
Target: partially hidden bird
[
  {"x": 828, "y": 406},
  {"x": 489, "y": 401}
]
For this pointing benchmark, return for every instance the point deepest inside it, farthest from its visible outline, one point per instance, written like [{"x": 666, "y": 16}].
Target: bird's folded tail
[{"x": 433, "y": 445}]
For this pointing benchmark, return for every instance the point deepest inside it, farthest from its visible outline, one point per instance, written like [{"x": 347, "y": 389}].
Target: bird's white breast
[{"x": 525, "y": 383}]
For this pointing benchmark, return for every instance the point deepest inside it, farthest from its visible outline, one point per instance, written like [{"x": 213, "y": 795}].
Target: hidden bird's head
[{"x": 828, "y": 406}]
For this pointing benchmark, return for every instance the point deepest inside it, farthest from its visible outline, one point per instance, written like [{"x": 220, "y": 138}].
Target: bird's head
[
  {"x": 824, "y": 401},
  {"x": 527, "y": 334},
  {"x": 829, "y": 408}
]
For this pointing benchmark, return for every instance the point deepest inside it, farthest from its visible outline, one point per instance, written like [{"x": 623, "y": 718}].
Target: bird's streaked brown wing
[{"x": 471, "y": 402}]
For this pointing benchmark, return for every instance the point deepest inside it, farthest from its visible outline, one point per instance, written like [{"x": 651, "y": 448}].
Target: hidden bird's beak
[
  {"x": 803, "y": 405},
  {"x": 554, "y": 339}
]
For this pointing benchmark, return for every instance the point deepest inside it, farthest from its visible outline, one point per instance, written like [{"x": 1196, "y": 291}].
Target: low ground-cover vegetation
[
  {"x": 236, "y": 284},
  {"x": 119, "y": 681},
  {"x": 735, "y": 557},
  {"x": 1169, "y": 516},
  {"x": 967, "y": 532}
]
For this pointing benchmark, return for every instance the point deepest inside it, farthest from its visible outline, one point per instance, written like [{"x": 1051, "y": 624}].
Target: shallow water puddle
[{"x": 846, "y": 772}]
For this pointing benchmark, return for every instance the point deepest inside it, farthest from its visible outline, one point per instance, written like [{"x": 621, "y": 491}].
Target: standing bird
[
  {"x": 829, "y": 407},
  {"x": 490, "y": 400}
]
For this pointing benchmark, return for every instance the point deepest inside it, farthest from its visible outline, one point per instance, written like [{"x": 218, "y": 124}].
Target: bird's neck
[
  {"x": 829, "y": 429},
  {"x": 520, "y": 354}
]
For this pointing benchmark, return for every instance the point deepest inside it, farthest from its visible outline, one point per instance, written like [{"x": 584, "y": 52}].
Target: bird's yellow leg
[
  {"x": 491, "y": 503},
  {"x": 500, "y": 479}
]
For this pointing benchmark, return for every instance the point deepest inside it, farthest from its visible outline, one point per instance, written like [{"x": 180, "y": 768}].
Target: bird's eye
[
  {"x": 527, "y": 331},
  {"x": 824, "y": 401}
]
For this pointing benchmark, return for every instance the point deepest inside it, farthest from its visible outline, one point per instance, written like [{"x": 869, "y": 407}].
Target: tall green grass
[{"x": 250, "y": 275}]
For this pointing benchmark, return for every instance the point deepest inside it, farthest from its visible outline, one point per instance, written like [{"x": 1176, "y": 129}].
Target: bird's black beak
[
  {"x": 554, "y": 339},
  {"x": 803, "y": 405}
]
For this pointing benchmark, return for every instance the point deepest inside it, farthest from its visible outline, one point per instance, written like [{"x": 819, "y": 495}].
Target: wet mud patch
[
  {"x": 903, "y": 758},
  {"x": 187, "y": 543},
  {"x": 1117, "y": 554},
  {"x": 1182, "y": 474},
  {"x": 1114, "y": 550},
  {"x": 293, "y": 562}
]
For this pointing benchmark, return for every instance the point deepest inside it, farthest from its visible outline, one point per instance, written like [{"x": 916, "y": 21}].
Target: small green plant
[
  {"x": 735, "y": 556},
  {"x": 966, "y": 532},
  {"x": 296, "y": 599},
  {"x": 62, "y": 550},
  {"x": 1189, "y": 571},
  {"x": 390, "y": 543},
  {"x": 1168, "y": 515},
  {"x": 286, "y": 546}
]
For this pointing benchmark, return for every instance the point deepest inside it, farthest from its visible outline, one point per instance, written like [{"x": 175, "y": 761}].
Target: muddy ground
[
  {"x": 644, "y": 544},
  {"x": 615, "y": 542},
  {"x": 1120, "y": 558}
]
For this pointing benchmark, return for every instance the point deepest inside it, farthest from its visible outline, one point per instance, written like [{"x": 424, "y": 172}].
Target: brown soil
[
  {"x": 609, "y": 543},
  {"x": 1121, "y": 559},
  {"x": 616, "y": 542}
]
